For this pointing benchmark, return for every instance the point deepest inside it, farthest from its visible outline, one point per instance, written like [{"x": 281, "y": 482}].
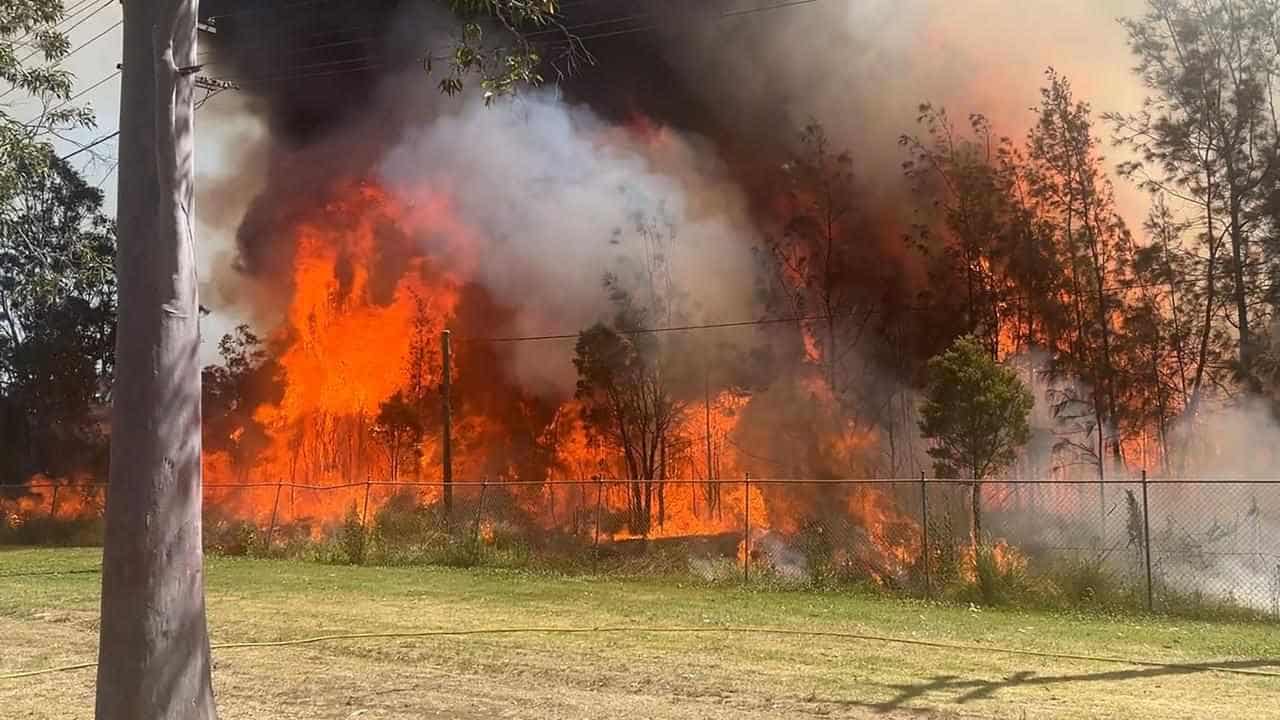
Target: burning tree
[
  {"x": 626, "y": 403},
  {"x": 399, "y": 429},
  {"x": 976, "y": 413},
  {"x": 1207, "y": 135},
  {"x": 230, "y": 394},
  {"x": 1068, "y": 182},
  {"x": 821, "y": 270},
  {"x": 992, "y": 258}
]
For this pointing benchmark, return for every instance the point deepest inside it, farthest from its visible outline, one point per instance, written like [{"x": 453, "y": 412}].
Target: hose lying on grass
[{"x": 1183, "y": 667}]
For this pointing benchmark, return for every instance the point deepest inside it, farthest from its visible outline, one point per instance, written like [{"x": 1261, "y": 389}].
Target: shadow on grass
[{"x": 969, "y": 690}]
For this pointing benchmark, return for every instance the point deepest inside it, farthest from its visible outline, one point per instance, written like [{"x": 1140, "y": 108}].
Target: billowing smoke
[
  {"x": 732, "y": 91},
  {"x": 560, "y": 198}
]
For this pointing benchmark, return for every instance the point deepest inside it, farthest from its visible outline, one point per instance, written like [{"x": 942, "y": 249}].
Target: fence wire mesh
[{"x": 1165, "y": 544}]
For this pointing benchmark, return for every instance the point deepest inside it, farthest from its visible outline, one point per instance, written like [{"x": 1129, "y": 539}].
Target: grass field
[{"x": 48, "y": 617}]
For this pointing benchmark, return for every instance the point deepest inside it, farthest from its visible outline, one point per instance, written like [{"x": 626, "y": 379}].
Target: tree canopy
[
  {"x": 57, "y": 320},
  {"x": 32, "y": 48},
  {"x": 975, "y": 411}
]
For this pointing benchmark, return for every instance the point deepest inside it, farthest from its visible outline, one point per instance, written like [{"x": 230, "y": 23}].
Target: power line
[
  {"x": 82, "y": 21},
  {"x": 721, "y": 16},
  {"x": 298, "y": 51},
  {"x": 263, "y": 10},
  {"x": 773, "y": 321},
  {"x": 85, "y": 91},
  {"x": 84, "y": 44},
  {"x": 90, "y": 146},
  {"x": 89, "y": 17},
  {"x": 651, "y": 331},
  {"x": 373, "y": 63},
  {"x": 195, "y": 106},
  {"x": 74, "y": 10},
  {"x": 67, "y": 15},
  {"x": 61, "y": 60},
  {"x": 77, "y": 49}
]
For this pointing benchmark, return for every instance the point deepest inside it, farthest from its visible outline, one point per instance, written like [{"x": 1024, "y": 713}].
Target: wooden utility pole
[
  {"x": 153, "y": 657},
  {"x": 446, "y": 353}
]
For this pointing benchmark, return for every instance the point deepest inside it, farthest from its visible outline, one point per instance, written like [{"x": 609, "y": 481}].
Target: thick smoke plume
[{"x": 558, "y": 199}]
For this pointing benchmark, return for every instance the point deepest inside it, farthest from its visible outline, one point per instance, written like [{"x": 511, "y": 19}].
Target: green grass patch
[{"x": 48, "y": 615}]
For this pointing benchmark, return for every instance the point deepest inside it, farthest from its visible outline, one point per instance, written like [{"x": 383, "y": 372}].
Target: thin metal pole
[
  {"x": 746, "y": 527},
  {"x": 924, "y": 526},
  {"x": 712, "y": 488},
  {"x": 446, "y": 412},
  {"x": 484, "y": 481},
  {"x": 1146, "y": 541},
  {"x": 364, "y": 513},
  {"x": 595, "y": 545},
  {"x": 275, "y": 506}
]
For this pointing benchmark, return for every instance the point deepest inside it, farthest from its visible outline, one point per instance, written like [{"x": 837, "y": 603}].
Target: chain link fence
[{"x": 1162, "y": 544}]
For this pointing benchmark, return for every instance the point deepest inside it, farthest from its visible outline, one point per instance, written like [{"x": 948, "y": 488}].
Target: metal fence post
[
  {"x": 595, "y": 544},
  {"x": 746, "y": 528},
  {"x": 53, "y": 503},
  {"x": 271, "y": 529},
  {"x": 475, "y": 537},
  {"x": 924, "y": 526},
  {"x": 1146, "y": 540},
  {"x": 364, "y": 513}
]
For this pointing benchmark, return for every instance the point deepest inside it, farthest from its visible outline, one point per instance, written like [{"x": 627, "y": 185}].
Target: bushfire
[{"x": 352, "y": 420}]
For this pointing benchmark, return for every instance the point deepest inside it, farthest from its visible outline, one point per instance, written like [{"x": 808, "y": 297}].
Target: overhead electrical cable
[
  {"x": 82, "y": 21},
  {"x": 90, "y": 146},
  {"x": 374, "y": 63}
]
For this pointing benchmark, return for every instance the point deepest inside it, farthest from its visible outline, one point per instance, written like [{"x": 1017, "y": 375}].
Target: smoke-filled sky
[{"x": 858, "y": 67}]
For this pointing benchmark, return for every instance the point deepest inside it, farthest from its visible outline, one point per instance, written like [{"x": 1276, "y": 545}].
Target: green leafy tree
[
  {"x": 31, "y": 48},
  {"x": 511, "y": 55},
  {"x": 976, "y": 413},
  {"x": 57, "y": 322}
]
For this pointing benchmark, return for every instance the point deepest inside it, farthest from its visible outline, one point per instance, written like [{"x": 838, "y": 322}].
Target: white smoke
[{"x": 555, "y": 194}]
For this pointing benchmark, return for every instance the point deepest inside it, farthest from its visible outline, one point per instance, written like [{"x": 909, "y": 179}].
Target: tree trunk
[
  {"x": 154, "y": 647},
  {"x": 1241, "y": 295}
]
